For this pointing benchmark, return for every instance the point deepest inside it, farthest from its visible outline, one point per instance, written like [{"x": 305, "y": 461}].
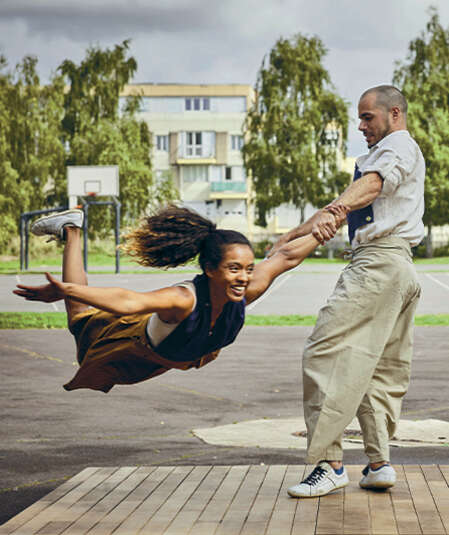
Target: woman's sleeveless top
[{"x": 193, "y": 337}]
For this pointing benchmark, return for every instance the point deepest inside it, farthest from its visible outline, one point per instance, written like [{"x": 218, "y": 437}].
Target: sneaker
[
  {"x": 379, "y": 478},
  {"x": 320, "y": 482},
  {"x": 54, "y": 224}
]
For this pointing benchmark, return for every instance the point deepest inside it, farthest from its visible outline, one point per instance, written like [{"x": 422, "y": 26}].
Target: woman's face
[{"x": 234, "y": 272}]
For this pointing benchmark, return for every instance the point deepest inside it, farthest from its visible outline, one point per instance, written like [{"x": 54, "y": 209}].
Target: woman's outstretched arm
[
  {"x": 173, "y": 304},
  {"x": 287, "y": 255}
]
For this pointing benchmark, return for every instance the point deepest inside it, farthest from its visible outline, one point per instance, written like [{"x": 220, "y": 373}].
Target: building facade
[{"x": 197, "y": 137}]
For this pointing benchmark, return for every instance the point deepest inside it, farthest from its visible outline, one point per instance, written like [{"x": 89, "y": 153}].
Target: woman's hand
[{"x": 48, "y": 293}]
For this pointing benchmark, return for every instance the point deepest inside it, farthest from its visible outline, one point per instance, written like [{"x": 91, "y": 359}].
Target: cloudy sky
[{"x": 211, "y": 41}]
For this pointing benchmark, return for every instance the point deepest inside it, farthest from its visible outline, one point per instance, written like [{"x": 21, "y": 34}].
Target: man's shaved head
[{"x": 387, "y": 97}]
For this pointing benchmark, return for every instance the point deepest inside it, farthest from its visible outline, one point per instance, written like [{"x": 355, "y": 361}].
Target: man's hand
[
  {"x": 48, "y": 293},
  {"x": 325, "y": 227},
  {"x": 328, "y": 221}
]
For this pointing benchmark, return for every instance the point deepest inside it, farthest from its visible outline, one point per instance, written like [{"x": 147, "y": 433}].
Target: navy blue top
[
  {"x": 193, "y": 337},
  {"x": 358, "y": 218}
]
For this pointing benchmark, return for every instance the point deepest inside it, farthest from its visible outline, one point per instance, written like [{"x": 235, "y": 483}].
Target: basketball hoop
[{"x": 91, "y": 194}]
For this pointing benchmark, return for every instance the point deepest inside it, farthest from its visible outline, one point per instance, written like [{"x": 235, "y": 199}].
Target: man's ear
[{"x": 395, "y": 112}]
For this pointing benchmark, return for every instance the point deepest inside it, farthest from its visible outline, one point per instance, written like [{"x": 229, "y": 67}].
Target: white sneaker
[
  {"x": 54, "y": 224},
  {"x": 379, "y": 478},
  {"x": 319, "y": 482}
]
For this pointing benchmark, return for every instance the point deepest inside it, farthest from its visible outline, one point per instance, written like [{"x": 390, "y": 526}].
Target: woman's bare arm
[
  {"x": 287, "y": 256},
  {"x": 172, "y": 304}
]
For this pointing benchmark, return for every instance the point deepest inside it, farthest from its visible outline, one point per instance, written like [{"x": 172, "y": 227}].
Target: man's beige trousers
[{"x": 357, "y": 359}]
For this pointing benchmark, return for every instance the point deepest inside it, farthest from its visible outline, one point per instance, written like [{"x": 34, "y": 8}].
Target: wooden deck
[{"x": 225, "y": 500}]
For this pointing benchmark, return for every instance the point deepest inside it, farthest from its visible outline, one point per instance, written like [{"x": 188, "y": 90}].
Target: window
[
  {"x": 193, "y": 144},
  {"x": 197, "y": 104},
  {"x": 228, "y": 173},
  {"x": 236, "y": 142},
  {"x": 162, "y": 143},
  {"x": 195, "y": 173}
]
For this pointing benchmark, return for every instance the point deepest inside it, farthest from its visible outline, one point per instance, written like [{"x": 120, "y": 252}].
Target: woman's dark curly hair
[{"x": 175, "y": 235}]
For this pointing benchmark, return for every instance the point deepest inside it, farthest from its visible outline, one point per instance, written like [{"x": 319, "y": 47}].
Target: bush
[{"x": 261, "y": 248}]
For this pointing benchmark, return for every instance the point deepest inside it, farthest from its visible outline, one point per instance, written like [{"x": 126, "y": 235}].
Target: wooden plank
[
  {"x": 404, "y": 509},
  {"x": 306, "y": 515},
  {"x": 237, "y": 500},
  {"x": 34, "y": 509},
  {"x": 235, "y": 516},
  {"x": 426, "y": 510},
  {"x": 440, "y": 491},
  {"x": 58, "y": 510},
  {"x": 262, "y": 508},
  {"x": 444, "y": 469},
  {"x": 115, "y": 506},
  {"x": 330, "y": 514},
  {"x": 156, "y": 498},
  {"x": 135, "y": 484},
  {"x": 170, "y": 508},
  {"x": 356, "y": 518},
  {"x": 215, "y": 510},
  {"x": 383, "y": 520},
  {"x": 281, "y": 520},
  {"x": 197, "y": 502},
  {"x": 98, "y": 502}
]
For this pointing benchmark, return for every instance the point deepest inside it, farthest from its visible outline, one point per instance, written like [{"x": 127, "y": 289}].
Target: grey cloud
[{"x": 94, "y": 20}]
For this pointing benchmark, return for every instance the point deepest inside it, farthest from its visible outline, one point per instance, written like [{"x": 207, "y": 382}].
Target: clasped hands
[{"x": 328, "y": 221}]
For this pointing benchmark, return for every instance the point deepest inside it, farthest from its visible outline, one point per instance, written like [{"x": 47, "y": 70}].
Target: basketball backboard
[{"x": 98, "y": 180}]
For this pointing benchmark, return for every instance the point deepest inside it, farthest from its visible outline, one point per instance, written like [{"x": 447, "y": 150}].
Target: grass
[
  {"x": 104, "y": 263},
  {"x": 58, "y": 320}
]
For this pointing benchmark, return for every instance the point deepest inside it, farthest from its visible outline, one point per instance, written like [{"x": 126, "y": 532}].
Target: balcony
[
  {"x": 239, "y": 187},
  {"x": 228, "y": 190}
]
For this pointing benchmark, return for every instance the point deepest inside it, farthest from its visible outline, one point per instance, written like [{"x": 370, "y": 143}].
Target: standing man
[{"x": 357, "y": 360}]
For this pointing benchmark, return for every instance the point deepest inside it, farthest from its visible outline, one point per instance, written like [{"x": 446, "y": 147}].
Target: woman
[{"x": 123, "y": 336}]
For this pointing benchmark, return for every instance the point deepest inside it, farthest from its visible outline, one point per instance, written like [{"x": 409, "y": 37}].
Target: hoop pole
[
  {"x": 85, "y": 223},
  {"x": 117, "y": 234}
]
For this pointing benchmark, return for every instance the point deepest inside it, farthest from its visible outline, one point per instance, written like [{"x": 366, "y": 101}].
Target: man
[{"x": 357, "y": 360}]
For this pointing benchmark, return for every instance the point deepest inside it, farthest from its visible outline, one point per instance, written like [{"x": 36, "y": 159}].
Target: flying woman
[{"x": 123, "y": 336}]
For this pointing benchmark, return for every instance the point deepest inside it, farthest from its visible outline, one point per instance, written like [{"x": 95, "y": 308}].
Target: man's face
[{"x": 374, "y": 121}]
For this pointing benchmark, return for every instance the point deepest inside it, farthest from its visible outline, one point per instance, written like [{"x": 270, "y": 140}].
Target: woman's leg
[{"x": 73, "y": 269}]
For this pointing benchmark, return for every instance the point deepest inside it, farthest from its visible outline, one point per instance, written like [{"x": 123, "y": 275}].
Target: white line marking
[
  {"x": 55, "y": 307},
  {"x": 270, "y": 290},
  {"x": 18, "y": 279},
  {"x": 437, "y": 281}
]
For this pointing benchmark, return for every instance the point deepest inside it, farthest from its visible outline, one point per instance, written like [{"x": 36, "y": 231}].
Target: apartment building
[{"x": 197, "y": 137}]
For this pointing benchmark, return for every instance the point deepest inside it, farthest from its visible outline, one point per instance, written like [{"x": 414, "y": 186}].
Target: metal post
[
  {"x": 86, "y": 217},
  {"x": 117, "y": 235},
  {"x": 22, "y": 237},
  {"x": 27, "y": 239}
]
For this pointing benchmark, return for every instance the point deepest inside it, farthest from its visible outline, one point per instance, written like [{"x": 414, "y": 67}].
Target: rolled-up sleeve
[{"x": 390, "y": 165}]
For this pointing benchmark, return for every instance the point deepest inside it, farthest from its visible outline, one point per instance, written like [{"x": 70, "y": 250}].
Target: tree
[
  {"x": 295, "y": 129},
  {"x": 31, "y": 152},
  {"x": 97, "y": 133},
  {"x": 424, "y": 78}
]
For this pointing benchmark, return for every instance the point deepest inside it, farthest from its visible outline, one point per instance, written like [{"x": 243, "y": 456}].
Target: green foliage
[
  {"x": 74, "y": 120},
  {"x": 424, "y": 78},
  {"x": 295, "y": 129},
  {"x": 31, "y": 153}
]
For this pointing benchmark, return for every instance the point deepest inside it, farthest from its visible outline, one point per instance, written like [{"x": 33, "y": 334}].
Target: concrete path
[{"x": 300, "y": 291}]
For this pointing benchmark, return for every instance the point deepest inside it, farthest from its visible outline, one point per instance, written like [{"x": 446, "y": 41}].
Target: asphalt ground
[
  {"x": 300, "y": 291},
  {"x": 49, "y": 435}
]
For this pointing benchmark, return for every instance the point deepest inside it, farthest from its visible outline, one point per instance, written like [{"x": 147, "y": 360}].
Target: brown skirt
[{"x": 115, "y": 350}]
